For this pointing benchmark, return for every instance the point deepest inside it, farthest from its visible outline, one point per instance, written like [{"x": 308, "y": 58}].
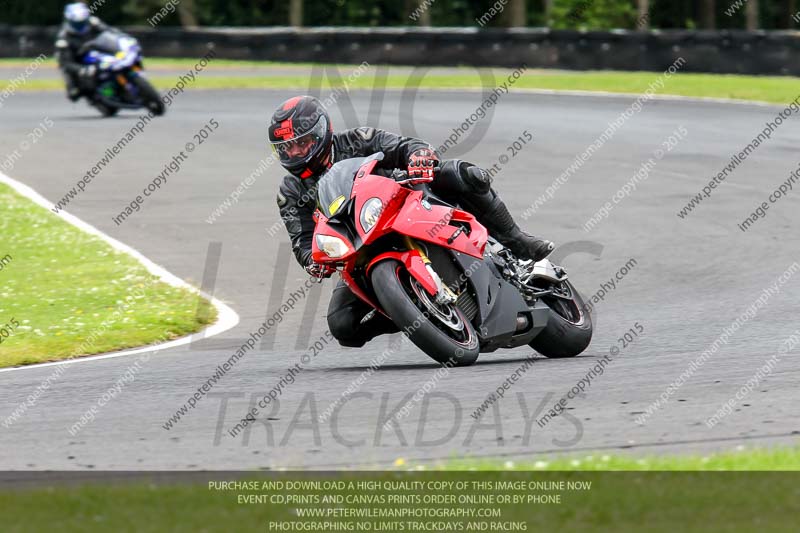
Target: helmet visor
[
  {"x": 299, "y": 149},
  {"x": 79, "y": 26}
]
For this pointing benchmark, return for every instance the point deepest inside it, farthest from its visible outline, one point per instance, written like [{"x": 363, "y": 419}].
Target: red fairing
[
  {"x": 431, "y": 224},
  {"x": 388, "y": 192}
]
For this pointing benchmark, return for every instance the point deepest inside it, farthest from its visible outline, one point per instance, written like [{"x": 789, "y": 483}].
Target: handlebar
[
  {"x": 399, "y": 175},
  {"x": 402, "y": 175}
]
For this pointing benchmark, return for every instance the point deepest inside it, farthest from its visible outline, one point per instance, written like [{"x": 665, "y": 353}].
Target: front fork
[
  {"x": 443, "y": 294},
  {"x": 126, "y": 84}
]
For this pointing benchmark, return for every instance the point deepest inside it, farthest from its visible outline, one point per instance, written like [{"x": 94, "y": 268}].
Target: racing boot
[
  {"x": 501, "y": 225},
  {"x": 74, "y": 94},
  {"x": 491, "y": 211}
]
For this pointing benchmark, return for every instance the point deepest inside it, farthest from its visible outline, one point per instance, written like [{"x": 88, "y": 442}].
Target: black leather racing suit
[
  {"x": 68, "y": 43},
  {"x": 457, "y": 183}
]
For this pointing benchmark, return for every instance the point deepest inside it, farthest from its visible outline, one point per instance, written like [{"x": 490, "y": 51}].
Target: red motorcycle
[{"x": 435, "y": 272}]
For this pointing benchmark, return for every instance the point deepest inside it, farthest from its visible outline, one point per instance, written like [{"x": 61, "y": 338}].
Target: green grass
[
  {"x": 772, "y": 89},
  {"x": 69, "y": 291},
  {"x": 700, "y": 502},
  {"x": 773, "y": 459}
]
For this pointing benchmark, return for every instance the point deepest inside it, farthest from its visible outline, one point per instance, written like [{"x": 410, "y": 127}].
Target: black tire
[
  {"x": 392, "y": 284},
  {"x": 105, "y": 109},
  {"x": 150, "y": 97},
  {"x": 569, "y": 328}
]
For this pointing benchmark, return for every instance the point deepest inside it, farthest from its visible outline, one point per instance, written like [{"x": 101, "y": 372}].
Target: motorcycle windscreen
[
  {"x": 107, "y": 42},
  {"x": 336, "y": 185}
]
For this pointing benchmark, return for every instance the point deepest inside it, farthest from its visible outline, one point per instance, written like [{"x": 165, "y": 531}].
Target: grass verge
[
  {"x": 65, "y": 293},
  {"x": 770, "y": 459},
  {"x": 771, "y": 89},
  {"x": 561, "y": 501}
]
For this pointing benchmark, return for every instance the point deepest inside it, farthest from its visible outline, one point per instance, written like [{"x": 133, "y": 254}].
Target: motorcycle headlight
[
  {"x": 334, "y": 247},
  {"x": 370, "y": 213}
]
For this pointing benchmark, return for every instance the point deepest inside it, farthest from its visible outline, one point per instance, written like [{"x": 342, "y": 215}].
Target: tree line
[{"x": 561, "y": 14}]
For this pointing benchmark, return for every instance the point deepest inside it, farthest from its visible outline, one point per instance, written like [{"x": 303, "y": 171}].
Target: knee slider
[
  {"x": 341, "y": 324},
  {"x": 449, "y": 180},
  {"x": 343, "y": 327},
  {"x": 477, "y": 178}
]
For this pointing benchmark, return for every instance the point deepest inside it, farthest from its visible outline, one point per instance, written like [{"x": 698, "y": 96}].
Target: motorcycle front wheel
[
  {"x": 150, "y": 97},
  {"x": 442, "y": 331},
  {"x": 106, "y": 110}
]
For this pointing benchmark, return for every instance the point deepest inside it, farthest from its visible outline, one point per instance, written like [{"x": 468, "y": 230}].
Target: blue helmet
[{"x": 77, "y": 17}]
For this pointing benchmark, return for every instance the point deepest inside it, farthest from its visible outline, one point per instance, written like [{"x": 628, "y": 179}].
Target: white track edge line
[
  {"x": 227, "y": 318},
  {"x": 663, "y": 97},
  {"x": 523, "y": 90},
  {"x": 576, "y": 92}
]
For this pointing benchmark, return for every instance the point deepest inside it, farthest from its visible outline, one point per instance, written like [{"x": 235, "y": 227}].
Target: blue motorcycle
[{"x": 120, "y": 77}]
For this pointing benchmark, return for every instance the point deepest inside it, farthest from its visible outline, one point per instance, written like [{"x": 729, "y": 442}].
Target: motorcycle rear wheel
[
  {"x": 443, "y": 332},
  {"x": 569, "y": 329}
]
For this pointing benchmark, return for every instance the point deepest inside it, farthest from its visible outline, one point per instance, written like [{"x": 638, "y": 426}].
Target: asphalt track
[{"x": 693, "y": 278}]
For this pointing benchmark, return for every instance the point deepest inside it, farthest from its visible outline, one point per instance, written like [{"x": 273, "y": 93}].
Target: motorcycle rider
[
  {"x": 79, "y": 27},
  {"x": 302, "y": 136}
]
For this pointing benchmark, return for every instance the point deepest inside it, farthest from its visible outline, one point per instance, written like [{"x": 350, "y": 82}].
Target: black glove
[
  {"x": 87, "y": 72},
  {"x": 319, "y": 271}
]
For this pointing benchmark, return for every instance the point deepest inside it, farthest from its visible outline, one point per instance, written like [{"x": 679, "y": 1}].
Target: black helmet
[{"x": 301, "y": 134}]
